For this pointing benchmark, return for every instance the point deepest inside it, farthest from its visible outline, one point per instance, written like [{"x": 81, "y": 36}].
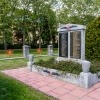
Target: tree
[
  {"x": 93, "y": 39},
  {"x": 43, "y": 18},
  {"x": 27, "y": 17},
  {"x": 6, "y": 10},
  {"x": 24, "y": 6},
  {"x": 79, "y": 11}
]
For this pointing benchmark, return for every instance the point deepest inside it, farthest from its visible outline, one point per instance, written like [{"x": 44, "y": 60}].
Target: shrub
[
  {"x": 1, "y": 46},
  {"x": 93, "y": 39},
  {"x": 95, "y": 66},
  {"x": 68, "y": 66},
  {"x": 65, "y": 66},
  {"x": 15, "y": 46},
  {"x": 34, "y": 46}
]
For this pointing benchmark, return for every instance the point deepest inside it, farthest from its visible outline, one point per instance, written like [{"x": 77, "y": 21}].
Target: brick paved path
[{"x": 58, "y": 89}]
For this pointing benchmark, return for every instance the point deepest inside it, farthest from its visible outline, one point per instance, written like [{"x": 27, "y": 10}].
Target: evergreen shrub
[
  {"x": 93, "y": 40},
  {"x": 65, "y": 66}
]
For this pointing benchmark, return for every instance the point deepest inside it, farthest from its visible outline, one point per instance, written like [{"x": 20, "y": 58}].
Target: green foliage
[
  {"x": 68, "y": 66},
  {"x": 95, "y": 66},
  {"x": 78, "y": 11},
  {"x": 19, "y": 22},
  {"x": 93, "y": 40},
  {"x": 65, "y": 66}
]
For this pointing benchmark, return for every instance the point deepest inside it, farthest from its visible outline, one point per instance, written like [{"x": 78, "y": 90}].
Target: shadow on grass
[{"x": 11, "y": 89}]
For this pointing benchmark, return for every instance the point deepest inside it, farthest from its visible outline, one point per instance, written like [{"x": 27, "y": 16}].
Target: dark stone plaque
[
  {"x": 75, "y": 45},
  {"x": 63, "y": 44}
]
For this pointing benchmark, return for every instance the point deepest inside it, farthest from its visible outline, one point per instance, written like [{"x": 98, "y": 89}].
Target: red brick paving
[{"x": 56, "y": 88}]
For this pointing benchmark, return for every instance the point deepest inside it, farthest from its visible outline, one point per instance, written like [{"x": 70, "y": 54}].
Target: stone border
[
  {"x": 68, "y": 77},
  {"x": 85, "y": 80}
]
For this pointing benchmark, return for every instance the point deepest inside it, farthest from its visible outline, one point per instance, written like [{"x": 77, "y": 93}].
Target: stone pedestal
[
  {"x": 85, "y": 66},
  {"x": 50, "y": 50},
  {"x": 25, "y": 51},
  {"x": 30, "y": 62},
  {"x": 29, "y": 65},
  {"x": 86, "y": 80},
  {"x": 31, "y": 57}
]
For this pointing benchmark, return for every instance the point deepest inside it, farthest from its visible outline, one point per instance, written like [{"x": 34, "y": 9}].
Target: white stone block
[
  {"x": 85, "y": 66},
  {"x": 95, "y": 78},
  {"x": 29, "y": 65},
  {"x": 86, "y": 80}
]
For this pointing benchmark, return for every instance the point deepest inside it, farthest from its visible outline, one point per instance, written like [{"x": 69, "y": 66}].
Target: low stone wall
[
  {"x": 68, "y": 77},
  {"x": 85, "y": 80}
]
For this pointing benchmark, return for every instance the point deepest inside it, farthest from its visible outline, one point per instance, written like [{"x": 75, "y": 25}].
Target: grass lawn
[
  {"x": 69, "y": 67},
  {"x": 17, "y": 63},
  {"x": 19, "y": 53},
  {"x": 11, "y": 89},
  {"x": 8, "y": 64}
]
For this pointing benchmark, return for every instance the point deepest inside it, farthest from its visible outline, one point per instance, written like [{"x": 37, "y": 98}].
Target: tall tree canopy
[
  {"x": 25, "y": 16},
  {"x": 29, "y": 17},
  {"x": 79, "y": 11}
]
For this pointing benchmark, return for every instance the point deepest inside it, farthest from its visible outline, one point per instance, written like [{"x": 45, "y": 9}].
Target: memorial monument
[
  {"x": 71, "y": 41},
  {"x": 71, "y": 46}
]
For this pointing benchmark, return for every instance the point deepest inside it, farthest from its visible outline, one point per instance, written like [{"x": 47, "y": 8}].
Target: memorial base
[
  {"x": 29, "y": 65},
  {"x": 69, "y": 59},
  {"x": 86, "y": 80}
]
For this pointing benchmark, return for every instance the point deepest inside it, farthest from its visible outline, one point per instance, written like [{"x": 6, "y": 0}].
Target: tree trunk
[
  {"x": 39, "y": 41},
  {"x": 4, "y": 38},
  {"x": 23, "y": 38}
]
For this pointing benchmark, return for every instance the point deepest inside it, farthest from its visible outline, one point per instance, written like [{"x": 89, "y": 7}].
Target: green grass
[
  {"x": 19, "y": 53},
  {"x": 11, "y": 89},
  {"x": 17, "y": 63},
  {"x": 9, "y": 64}
]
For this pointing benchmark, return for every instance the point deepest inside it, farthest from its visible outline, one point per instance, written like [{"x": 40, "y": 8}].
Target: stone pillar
[
  {"x": 86, "y": 78},
  {"x": 30, "y": 62},
  {"x": 25, "y": 51},
  {"x": 85, "y": 66},
  {"x": 50, "y": 50}
]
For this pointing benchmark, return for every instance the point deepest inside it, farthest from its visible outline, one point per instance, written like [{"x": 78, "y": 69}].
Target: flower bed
[{"x": 83, "y": 79}]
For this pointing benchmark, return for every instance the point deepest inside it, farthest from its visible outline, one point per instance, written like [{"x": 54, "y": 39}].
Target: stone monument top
[{"x": 69, "y": 27}]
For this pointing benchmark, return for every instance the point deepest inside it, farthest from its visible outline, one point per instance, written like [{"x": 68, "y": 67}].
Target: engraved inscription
[
  {"x": 75, "y": 44},
  {"x": 63, "y": 45}
]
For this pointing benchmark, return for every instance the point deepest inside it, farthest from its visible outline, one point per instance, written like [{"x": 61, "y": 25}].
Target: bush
[
  {"x": 55, "y": 45},
  {"x": 65, "y": 66},
  {"x": 93, "y": 40},
  {"x": 15, "y": 46},
  {"x": 34, "y": 46},
  {"x": 1, "y": 46},
  {"x": 69, "y": 66}
]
